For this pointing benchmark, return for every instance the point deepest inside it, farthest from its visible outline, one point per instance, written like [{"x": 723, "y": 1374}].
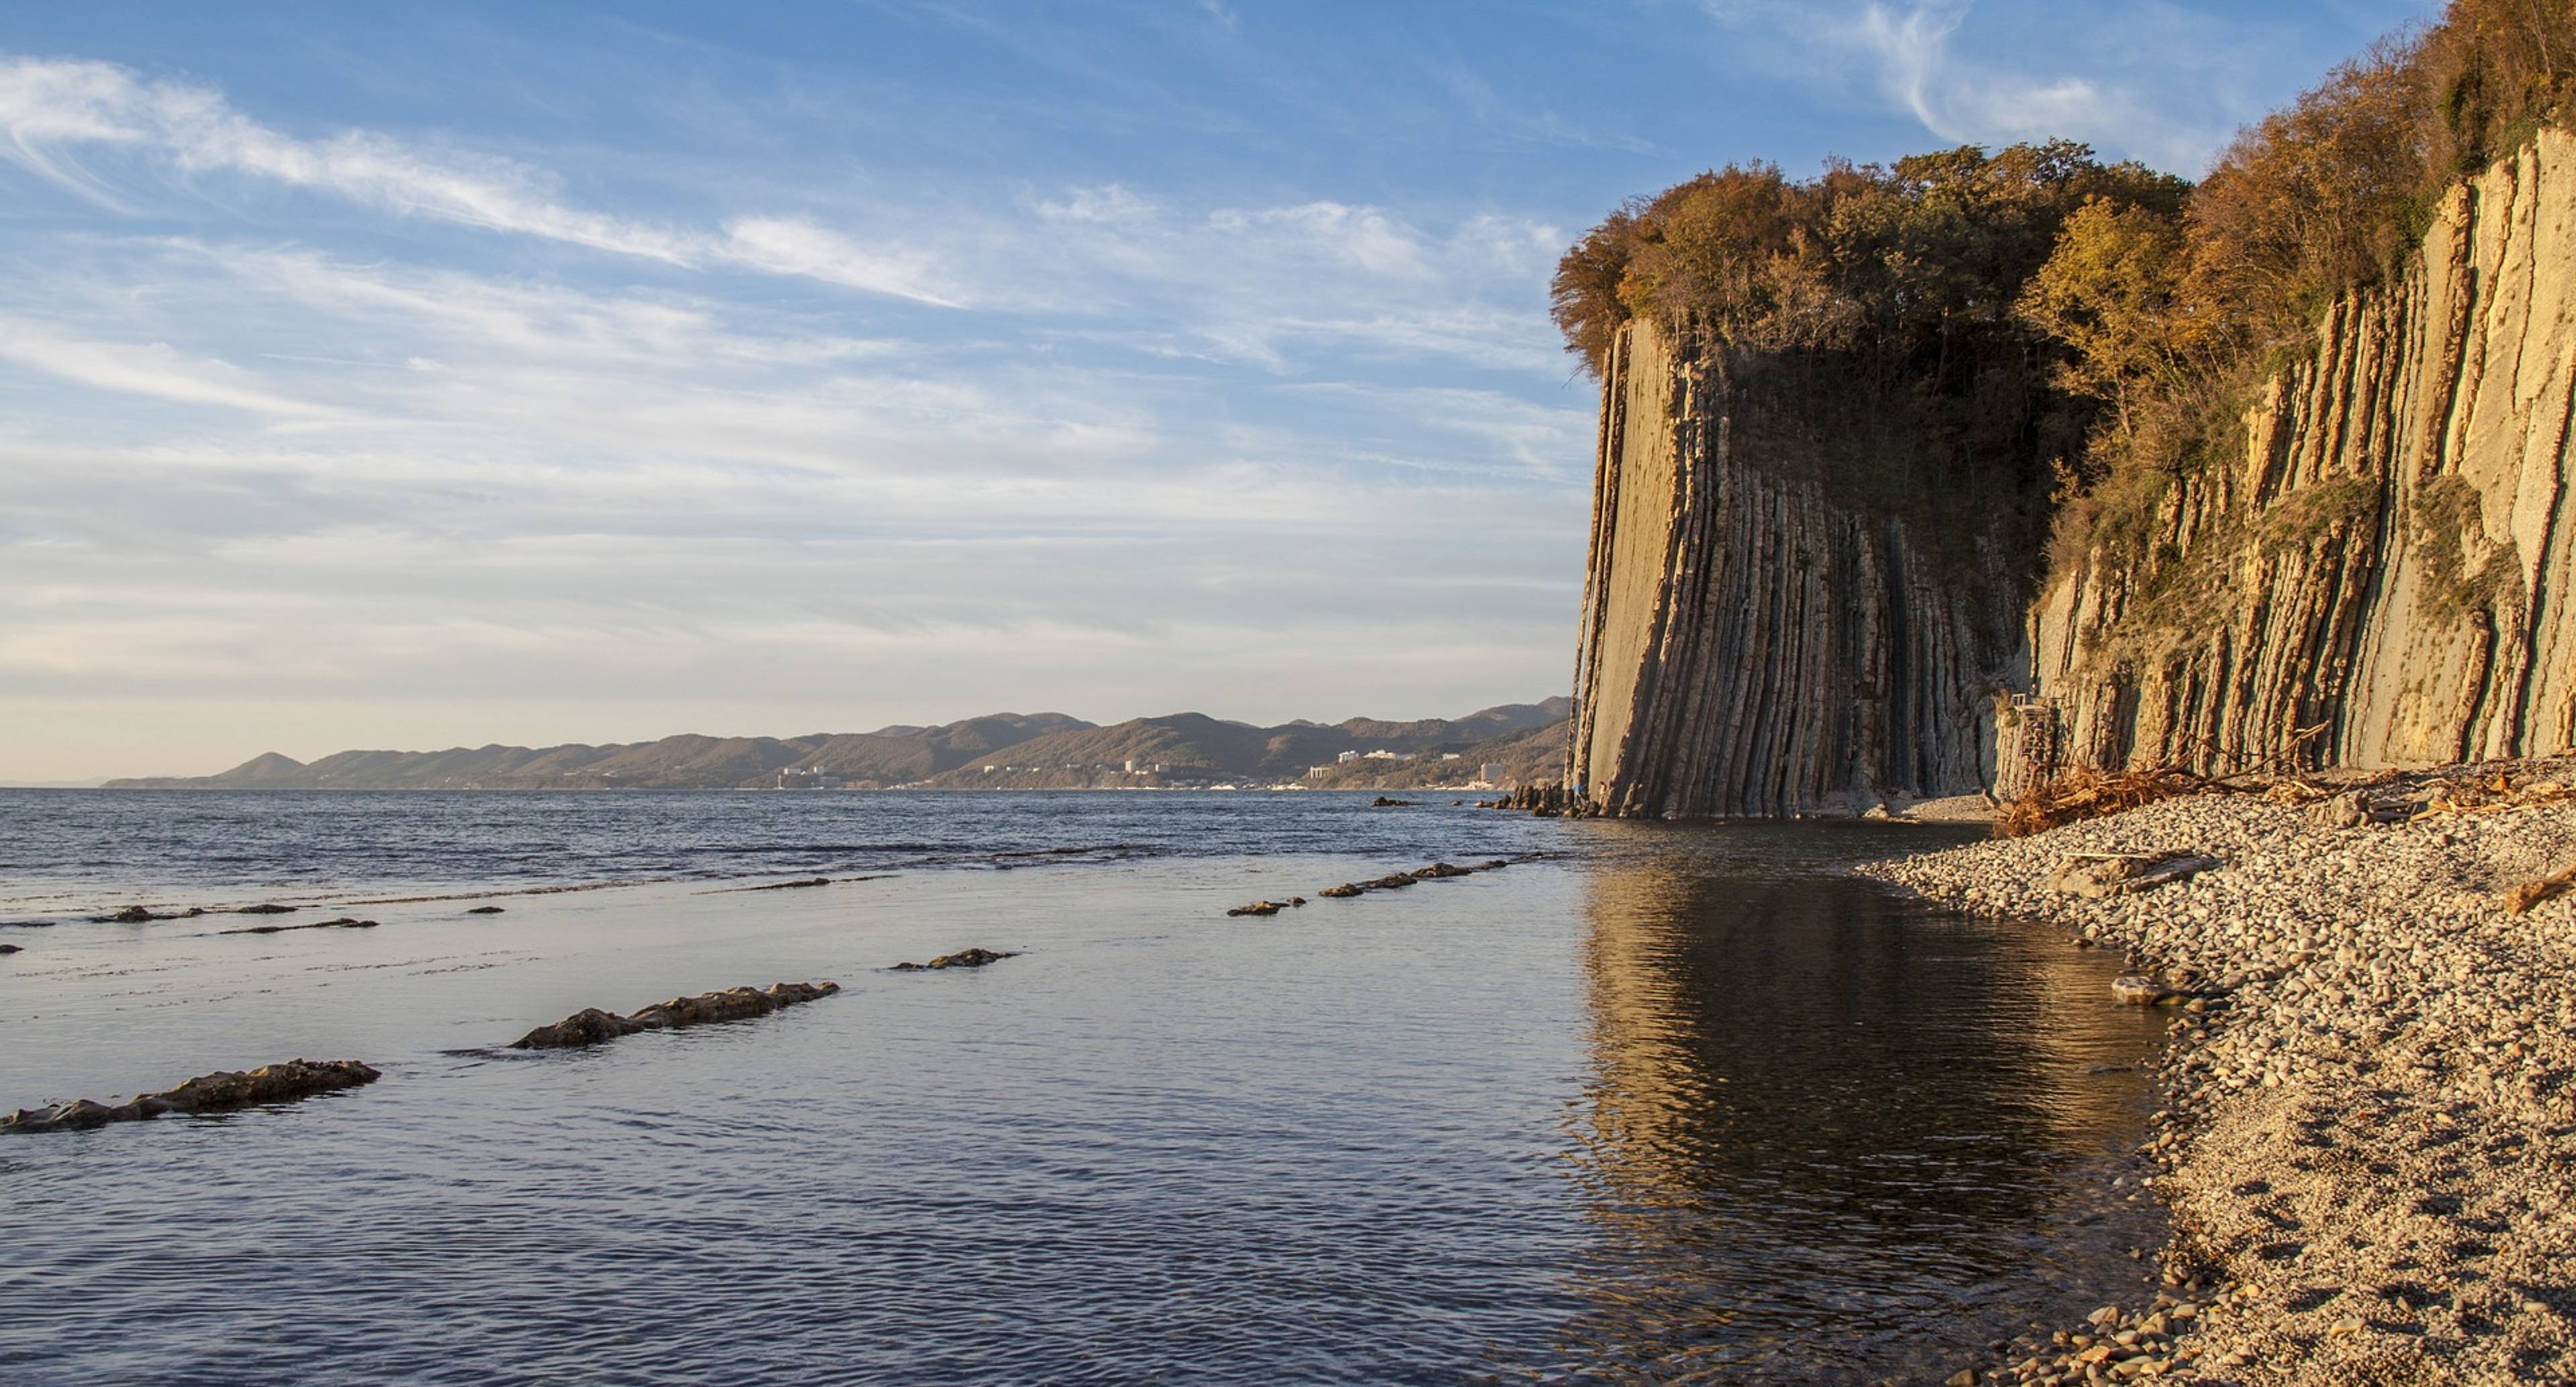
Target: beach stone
[
  {"x": 1342, "y": 892},
  {"x": 2093, "y": 875},
  {"x": 268, "y": 908},
  {"x": 2139, "y": 990},
  {"x": 12, "y": 948},
  {"x": 2363, "y": 1151},
  {"x": 484, "y": 910}
]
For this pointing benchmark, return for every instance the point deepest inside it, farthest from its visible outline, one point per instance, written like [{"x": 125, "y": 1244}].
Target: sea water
[{"x": 1654, "y": 1103}]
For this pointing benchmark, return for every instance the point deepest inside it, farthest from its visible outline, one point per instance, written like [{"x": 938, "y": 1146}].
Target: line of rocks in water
[
  {"x": 344, "y": 922},
  {"x": 224, "y": 1091},
  {"x": 592, "y": 1026},
  {"x": 2368, "y": 1135},
  {"x": 963, "y": 958},
  {"x": 1397, "y": 881},
  {"x": 1393, "y": 881}
]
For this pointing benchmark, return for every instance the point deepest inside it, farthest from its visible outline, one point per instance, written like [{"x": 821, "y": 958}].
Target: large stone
[
  {"x": 963, "y": 958},
  {"x": 224, "y": 1091},
  {"x": 2094, "y": 875},
  {"x": 592, "y": 1026}
]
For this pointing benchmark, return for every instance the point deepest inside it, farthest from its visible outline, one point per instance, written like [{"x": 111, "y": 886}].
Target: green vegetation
[
  {"x": 1927, "y": 254},
  {"x": 2043, "y": 315},
  {"x": 2446, "y": 514}
]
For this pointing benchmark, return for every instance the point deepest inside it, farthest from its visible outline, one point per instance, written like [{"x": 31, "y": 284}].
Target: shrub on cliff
[
  {"x": 1884, "y": 259},
  {"x": 2172, "y": 321}
]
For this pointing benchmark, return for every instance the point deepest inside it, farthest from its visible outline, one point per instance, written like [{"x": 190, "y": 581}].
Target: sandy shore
[{"x": 2368, "y": 1141}]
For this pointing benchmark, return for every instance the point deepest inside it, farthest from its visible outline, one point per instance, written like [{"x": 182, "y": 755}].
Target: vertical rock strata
[
  {"x": 2382, "y": 578},
  {"x": 1756, "y": 639},
  {"x": 2379, "y": 578}
]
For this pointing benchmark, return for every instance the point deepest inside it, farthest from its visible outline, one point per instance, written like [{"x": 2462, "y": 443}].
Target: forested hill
[{"x": 1025, "y": 751}]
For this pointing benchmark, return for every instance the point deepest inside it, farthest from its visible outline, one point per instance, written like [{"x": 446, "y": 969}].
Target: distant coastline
[{"x": 1492, "y": 748}]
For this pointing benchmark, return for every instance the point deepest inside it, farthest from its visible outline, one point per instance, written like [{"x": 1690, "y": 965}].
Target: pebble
[{"x": 2368, "y": 1117}]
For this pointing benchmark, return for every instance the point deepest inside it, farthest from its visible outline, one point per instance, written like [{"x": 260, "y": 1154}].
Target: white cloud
[
  {"x": 2150, "y": 80},
  {"x": 54, "y": 109},
  {"x": 1146, "y": 452},
  {"x": 152, "y": 369}
]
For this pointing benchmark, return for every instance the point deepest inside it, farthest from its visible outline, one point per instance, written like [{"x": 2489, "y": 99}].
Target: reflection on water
[
  {"x": 1662, "y": 1104},
  {"x": 1831, "y": 1135}
]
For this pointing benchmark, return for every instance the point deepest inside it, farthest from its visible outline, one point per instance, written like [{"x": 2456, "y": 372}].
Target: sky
[{"x": 426, "y": 375}]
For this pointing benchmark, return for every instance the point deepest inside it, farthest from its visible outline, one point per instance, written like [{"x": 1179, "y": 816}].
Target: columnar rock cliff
[
  {"x": 1757, "y": 638},
  {"x": 2379, "y": 577},
  {"x": 2383, "y": 578}
]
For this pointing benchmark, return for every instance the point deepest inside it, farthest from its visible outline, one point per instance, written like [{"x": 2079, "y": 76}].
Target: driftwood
[
  {"x": 2082, "y": 794},
  {"x": 2522, "y": 898}
]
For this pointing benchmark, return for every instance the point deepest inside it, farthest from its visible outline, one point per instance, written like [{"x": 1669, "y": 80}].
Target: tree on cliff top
[
  {"x": 2173, "y": 319},
  {"x": 1863, "y": 257}
]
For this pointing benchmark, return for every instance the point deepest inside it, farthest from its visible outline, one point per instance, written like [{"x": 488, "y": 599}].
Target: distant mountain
[
  {"x": 1000, "y": 751},
  {"x": 1193, "y": 748}
]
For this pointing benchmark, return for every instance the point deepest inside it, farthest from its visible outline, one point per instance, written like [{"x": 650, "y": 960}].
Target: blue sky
[{"x": 420, "y": 375}]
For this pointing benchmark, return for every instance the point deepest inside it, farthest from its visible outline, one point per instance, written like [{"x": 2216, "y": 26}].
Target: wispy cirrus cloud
[
  {"x": 58, "y": 115},
  {"x": 2149, "y": 79},
  {"x": 147, "y": 368},
  {"x": 1046, "y": 443}
]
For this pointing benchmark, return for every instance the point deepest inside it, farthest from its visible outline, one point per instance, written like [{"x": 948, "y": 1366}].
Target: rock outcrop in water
[
  {"x": 2382, "y": 579},
  {"x": 592, "y": 1026},
  {"x": 225, "y": 1091},
  {"x": 963, "y": 958}
]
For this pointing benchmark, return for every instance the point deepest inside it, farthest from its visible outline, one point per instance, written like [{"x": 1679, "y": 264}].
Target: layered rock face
[
  {"x": 1759, "y": 636},
  {"x": 2382, "y": 580}
]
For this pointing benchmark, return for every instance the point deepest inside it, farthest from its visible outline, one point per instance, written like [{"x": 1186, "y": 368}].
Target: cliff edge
[
  {"x": 2382, "y": 579},
  {"x": 1753, "y": 641}
]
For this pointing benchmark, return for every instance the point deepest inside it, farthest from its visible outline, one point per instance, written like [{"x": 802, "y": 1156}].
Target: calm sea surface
[{"x": 1656, "y": 1103}]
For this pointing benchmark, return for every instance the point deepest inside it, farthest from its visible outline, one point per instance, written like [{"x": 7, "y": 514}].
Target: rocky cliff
[
  {"x": 2381, "y": 578},
  {"x": 1789, "y": 607}
]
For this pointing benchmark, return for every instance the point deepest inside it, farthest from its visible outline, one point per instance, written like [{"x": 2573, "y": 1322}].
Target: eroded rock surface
[
  {"x": 344, "y": 922},
  {"x": 963, "y": 958},
  {"x": 2383, "y": 576},
  {"x": 591, "y": 1026},
  {"x": 224, "y": 1091}
]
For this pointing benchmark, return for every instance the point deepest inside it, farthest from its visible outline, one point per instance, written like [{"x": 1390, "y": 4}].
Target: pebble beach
[{"x": 2366, "y": 1137}]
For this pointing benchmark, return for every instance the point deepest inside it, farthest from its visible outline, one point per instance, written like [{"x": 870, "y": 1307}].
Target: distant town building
[
  {"x": 1132, "y": 765},
  {"x": 813, "y": 778},
  {"x": 1313, "y": 771},
  {"x": 1346, "y": 757}
]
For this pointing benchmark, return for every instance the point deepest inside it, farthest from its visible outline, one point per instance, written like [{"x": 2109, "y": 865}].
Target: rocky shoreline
[{"x": 2367, "y": 1140}]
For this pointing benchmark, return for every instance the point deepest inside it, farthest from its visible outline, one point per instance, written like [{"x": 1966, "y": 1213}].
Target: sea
[{"x": 1653, "y": 1103}]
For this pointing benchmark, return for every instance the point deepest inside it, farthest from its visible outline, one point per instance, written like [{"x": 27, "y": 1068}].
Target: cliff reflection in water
[{"x": 1832, "y": 1135}]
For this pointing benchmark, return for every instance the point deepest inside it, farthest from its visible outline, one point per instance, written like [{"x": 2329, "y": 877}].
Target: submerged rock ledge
[
  {"x": 2368, "y": 1141},
  {"x": 591, "y": 1026},
  {"x": 222, "y": 1091}
]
